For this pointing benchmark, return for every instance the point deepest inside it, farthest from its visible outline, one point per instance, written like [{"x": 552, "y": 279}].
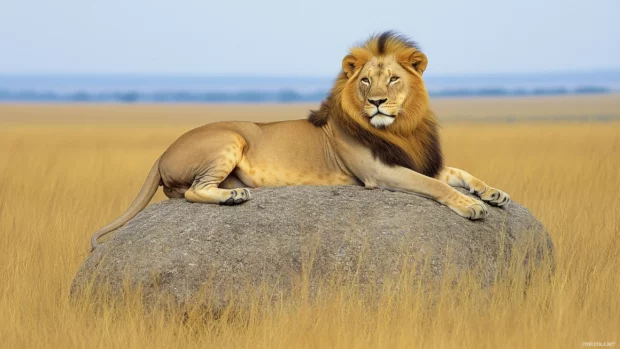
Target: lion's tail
[{"x": 149, "y": 188}]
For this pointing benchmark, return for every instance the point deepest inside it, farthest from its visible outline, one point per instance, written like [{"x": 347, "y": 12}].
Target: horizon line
[{"x": 278, "y": 76}]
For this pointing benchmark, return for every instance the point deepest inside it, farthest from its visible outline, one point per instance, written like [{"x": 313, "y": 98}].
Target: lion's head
[
  {"x": 380, "y": 99},
  {"x": 382, "y": 80}
]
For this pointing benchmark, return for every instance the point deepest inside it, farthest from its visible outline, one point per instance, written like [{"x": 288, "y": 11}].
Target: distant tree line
[{"x": 255, "y": 96}]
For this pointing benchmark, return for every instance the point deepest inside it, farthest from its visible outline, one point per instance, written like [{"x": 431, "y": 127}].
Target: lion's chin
[{"x": 382, "y": 120}]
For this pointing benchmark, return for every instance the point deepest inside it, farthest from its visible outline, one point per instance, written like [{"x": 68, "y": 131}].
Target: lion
[{"x": 374, "y": 129}]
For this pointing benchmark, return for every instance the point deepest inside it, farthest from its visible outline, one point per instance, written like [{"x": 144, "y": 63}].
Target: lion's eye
[
  {"x": 394, "y": 78},
  {"x": 366, "y": 81}
]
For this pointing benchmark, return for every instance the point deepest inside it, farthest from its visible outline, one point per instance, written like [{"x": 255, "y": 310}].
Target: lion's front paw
[
  {"x": 494, "y": 196},
  {"x": 467, "y": 206}
]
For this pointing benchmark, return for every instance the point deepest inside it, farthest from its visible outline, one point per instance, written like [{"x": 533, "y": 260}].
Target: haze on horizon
[{"x": 302, "y": 38}]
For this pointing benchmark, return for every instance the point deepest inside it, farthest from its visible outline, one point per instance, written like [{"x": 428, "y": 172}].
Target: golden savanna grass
[{"x": 67, "y": 170}]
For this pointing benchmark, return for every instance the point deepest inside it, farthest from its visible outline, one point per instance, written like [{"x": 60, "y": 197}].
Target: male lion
[{"x": 374, "y": 129}]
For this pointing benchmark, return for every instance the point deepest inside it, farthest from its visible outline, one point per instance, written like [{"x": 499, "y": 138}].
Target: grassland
[{"x": 67, "y": 170}]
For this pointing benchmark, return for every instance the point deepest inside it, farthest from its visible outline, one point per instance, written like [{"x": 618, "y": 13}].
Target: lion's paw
[
  {"x": 467, "y": 207},
  {"x": 237, "y": 196},
  {"x": 494, "y": 196}
]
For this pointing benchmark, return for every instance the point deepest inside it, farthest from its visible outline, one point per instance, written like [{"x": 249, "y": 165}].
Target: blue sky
[{"x": 302, "y": 38}]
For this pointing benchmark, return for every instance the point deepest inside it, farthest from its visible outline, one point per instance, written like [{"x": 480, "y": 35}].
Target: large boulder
[{"x": 179, "y": 249}]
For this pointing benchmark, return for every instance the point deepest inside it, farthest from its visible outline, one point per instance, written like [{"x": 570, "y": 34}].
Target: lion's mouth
[
  {"x": 380, "y": 120},
  {"x": 379, "y": 113}
]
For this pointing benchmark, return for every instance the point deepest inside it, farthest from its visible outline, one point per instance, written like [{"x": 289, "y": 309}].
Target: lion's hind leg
[
  {"x": 173, "y": 194},
  {"x": 461, "y": 179},
  {"x": 206, "y": 185}
]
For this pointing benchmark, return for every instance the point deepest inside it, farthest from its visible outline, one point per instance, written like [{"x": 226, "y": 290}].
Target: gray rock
[{"x": 181, "y": 249}]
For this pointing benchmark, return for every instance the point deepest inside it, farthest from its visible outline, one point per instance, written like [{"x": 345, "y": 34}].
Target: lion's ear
[
  {"x": 348, "y": 65},
  {"x": 418, "y": 61}
]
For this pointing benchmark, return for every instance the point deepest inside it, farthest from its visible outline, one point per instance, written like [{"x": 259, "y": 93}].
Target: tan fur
[
  {"x": 461, "y": 179},
  {"x": 338, "y": 145}
]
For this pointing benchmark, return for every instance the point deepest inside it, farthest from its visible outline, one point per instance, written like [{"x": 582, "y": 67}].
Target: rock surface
[{"x": 178, "y": 248}]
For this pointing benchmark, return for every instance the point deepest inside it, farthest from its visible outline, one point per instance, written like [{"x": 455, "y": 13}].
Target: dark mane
[
  {"x": 386, "y": 151},
  {"x": 413, "y": 140},
  {"x": 390, "y": 36},
  {"x": 320, "y": 116}
]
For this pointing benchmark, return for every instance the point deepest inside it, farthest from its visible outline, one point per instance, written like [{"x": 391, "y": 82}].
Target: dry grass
[{"x": 60, "y": 182}]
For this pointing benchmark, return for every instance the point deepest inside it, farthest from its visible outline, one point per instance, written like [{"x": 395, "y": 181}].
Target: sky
[{"x": 302, "y": 38}]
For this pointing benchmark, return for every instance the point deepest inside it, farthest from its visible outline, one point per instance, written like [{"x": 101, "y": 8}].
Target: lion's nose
[{"x": 377, "y": 102}]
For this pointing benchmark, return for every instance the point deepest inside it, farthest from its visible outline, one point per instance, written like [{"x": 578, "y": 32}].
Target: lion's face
[{"x": 382, "y": 88}]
